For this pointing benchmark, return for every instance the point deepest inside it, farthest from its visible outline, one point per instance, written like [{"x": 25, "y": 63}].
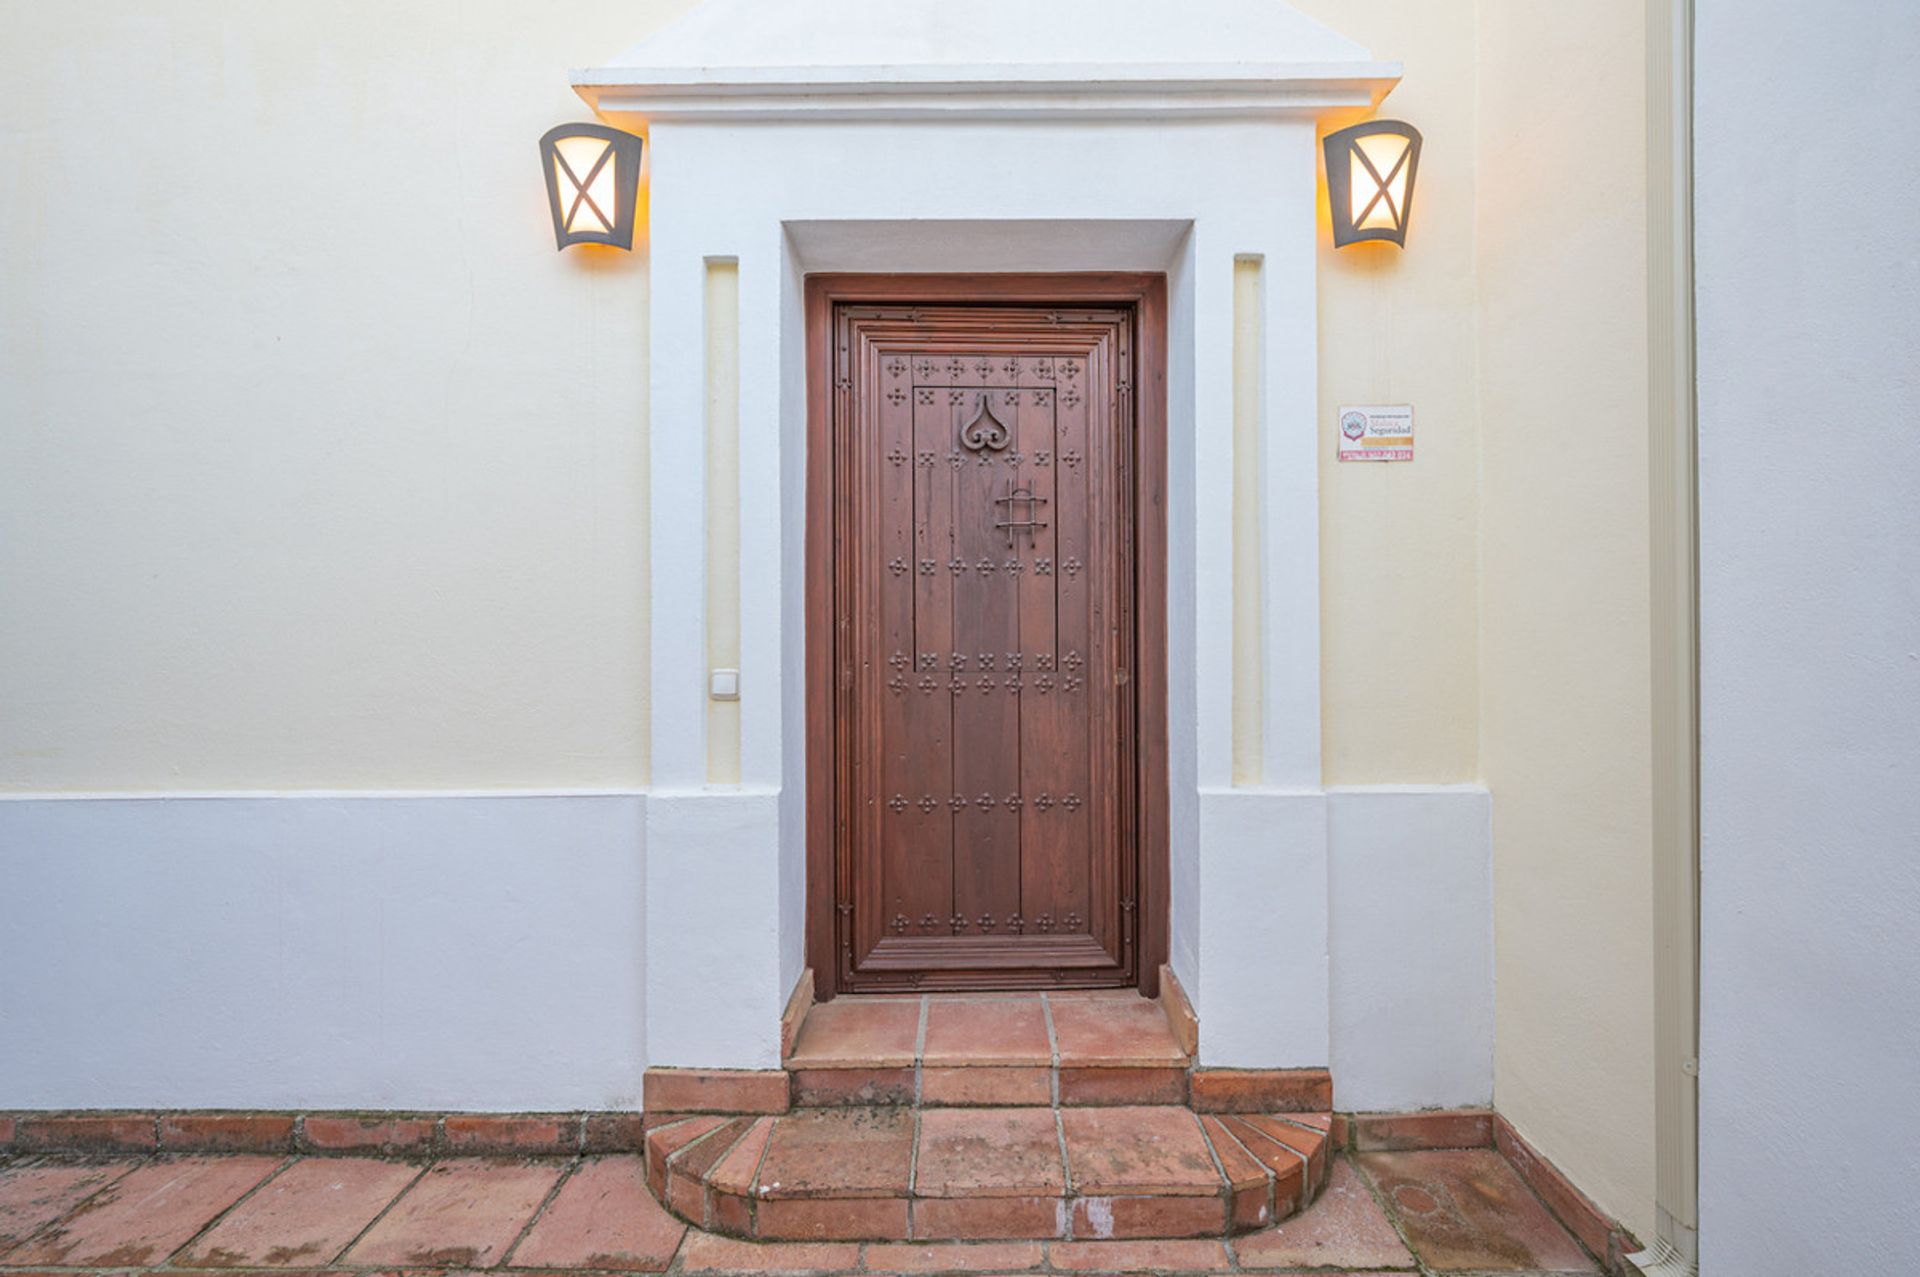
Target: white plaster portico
[{"x": 906, "y": 135}]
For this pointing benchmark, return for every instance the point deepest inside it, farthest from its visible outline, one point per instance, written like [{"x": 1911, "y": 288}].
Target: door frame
[{"x": 1146, "y": 296}]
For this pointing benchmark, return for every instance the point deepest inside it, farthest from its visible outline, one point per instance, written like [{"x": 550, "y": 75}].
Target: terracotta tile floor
[
  {"x": 1118, "y": 1028},
  {"x": 1429, "y": 1212}
]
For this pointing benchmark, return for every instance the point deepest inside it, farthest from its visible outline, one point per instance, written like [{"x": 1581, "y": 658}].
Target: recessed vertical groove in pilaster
[
  {"x": 1249, "y": 763},
  {"x": 722, "y": 538}
]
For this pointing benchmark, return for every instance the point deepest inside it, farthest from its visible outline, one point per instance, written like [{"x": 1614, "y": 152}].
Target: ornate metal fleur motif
[
  {"x": 1012, "y": 801},
  {"x": 1072, "y": 683},
  {"x": 1013, "y": 567},
  {"x": 984, "y": 802},
  {"x": 1069, "y": 397},
  {"x": 1043, "y": 683},
  {"x": 896, "y": 366},
  {"x": 1074, "y": 660},
  {"x": 955, "y": 368},
  {"x": 925, "y": 460},
  {"x": 956, "y": 803},
  {"x": 1013, "y": 683},
  {"x": 1043, "y": 567},
  {"x": 956, "y": 685},
  {"x": 897, "y": 457},
  {"x": 1044, "y": 661},
  {"x": 986, "y": 683},
  {"x": 1043, "y": 802},
  {"x": 923, "y": 368},
  {"x": 927, "y": 566},
  {"x": 984, "y": 367},
  {"x": 1069, "y": 368},
  {"x": 1015, "y": 660},
  {"x": 1043, "y": 923},
  {"x": 986, "y": 922},
  {"x": 928, "y": 683},
  {"x": 928, "y": 922},
  {"x": 923, "y": 396},
  {"x": 985, "y": 660},
  {"x": 927, "y": 802},
  {"x": 896, "y": 396},
  {"x": 955, "y": 460},
  {"x": 898, "y": 684},
  {"x": 899, "y": 924},
  {"x": 1070, "y": 567},
  {"x": 927, "y": 660},
  {"x": 1071, "y": 802},
  {"x": 1043, "y": 457},
  {"x": 898, "y": 660},
  {"x": 1071, "y": 922},
  {"x": 1071, "y": 459},
  {"x": 1011, "y": 367},
  {"x": 985, "y": 567},
  {"x": 957, "y": 661},
  {"x": 1014, "y": 459},
  {"x": 956, "y": 566},
  {"x": 898, "y": 566},
  {"x": 897, "y": 803},
  {"x": 957, "y": 923},
  {"x": 955, "y": 396},
  {"x": 1043, "y": 369},
  {"x": 1041, "y": 398}
]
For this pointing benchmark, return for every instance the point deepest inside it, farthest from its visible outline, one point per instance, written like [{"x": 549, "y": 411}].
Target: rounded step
[{"x": 872, "y": 1173}]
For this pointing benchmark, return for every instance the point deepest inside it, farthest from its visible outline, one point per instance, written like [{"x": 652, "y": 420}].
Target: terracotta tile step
[
  {"x": 988, "y": 1051},
  {"x": 894, "y": 1173}
]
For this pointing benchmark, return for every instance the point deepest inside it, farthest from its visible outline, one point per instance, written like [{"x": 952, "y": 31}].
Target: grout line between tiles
[
  {"x": 214, "y": 1223},
  {"x": 1386, "y": 1208},
  {"x": 383, "y": 1212},
  {"x": 1273, "y": 1184},
  {"x": 1053, "y": 1055},
  {"x": 920, "y": 1051},
  {"x": 560, "y": 1181},
  {"x": 84, "y": 1205}
]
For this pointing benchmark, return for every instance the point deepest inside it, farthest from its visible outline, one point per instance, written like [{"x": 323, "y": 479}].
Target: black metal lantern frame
[
  {"x": 1371, "y": 198},
  {"x": 591, "y": 194}
]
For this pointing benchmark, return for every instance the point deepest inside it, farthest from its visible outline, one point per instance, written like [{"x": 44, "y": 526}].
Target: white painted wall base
[
  {"x": 1262, "y": 992},
  {"x": 1411, "y": 890},
  {"x": 445, "y": 952},
  {"x": 715, "y": 988},
  {"x": 493, "y": 952}
]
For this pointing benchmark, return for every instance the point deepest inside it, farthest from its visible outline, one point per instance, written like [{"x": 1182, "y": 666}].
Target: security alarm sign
[{"x": 1376, "y": 432}]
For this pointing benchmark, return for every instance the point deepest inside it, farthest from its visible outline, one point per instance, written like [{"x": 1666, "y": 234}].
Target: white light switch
[{"x": 724, "y": 685}]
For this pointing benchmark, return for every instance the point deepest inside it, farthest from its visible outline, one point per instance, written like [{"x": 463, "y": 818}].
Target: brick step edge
[
  {"x": 705, "y": 1169},
  {"x": 380, "y": 1133}
]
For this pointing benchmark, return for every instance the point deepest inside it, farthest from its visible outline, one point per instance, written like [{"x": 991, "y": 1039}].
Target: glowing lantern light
[
  {"x": 1370, "y": 172},
  {"x": 593, "y": 174}
]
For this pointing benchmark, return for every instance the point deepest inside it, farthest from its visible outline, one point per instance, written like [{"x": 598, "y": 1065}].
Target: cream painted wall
[
  {"x": 1398, "y": 543},
  {"x": 1485, "y": 608},
  {"x": 318, "y": 467},
  {"x": 1564, "y": 639}
]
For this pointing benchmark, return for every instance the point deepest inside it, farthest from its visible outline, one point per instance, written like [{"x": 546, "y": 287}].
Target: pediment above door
[{"x": 933, "y": 59}]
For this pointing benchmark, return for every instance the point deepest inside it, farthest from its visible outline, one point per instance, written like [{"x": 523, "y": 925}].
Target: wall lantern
[
  {"x": 1370, "y": 171},
  {"x": 593, "y": 173}
]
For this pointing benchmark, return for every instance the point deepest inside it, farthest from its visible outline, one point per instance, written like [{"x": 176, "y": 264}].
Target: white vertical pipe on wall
[{"x": 1673, "y": 612}]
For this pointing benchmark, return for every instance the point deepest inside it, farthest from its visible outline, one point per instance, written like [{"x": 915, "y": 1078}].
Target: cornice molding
[{"x": 635, "y": 95}]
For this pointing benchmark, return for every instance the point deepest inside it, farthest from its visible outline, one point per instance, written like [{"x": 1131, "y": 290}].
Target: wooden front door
[{"x": 985, "y": 581}]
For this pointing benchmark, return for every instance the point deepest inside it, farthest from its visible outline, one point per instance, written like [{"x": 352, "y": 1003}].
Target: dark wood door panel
[
  {"x": 984, "y": 542},
  {"x": 986, "y": 632}
]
